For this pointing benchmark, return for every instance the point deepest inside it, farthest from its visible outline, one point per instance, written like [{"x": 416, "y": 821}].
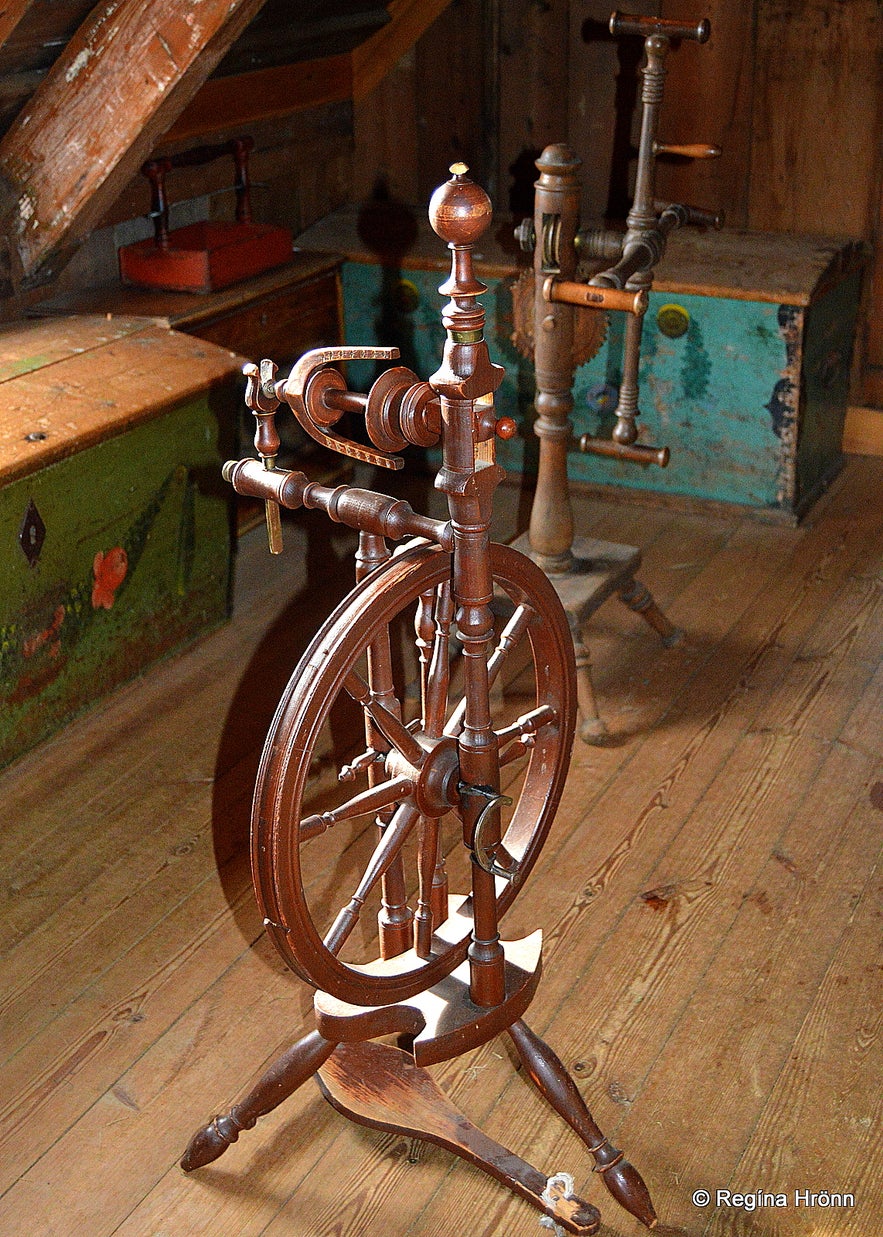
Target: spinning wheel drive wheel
[{"x": 399, "y": 780}]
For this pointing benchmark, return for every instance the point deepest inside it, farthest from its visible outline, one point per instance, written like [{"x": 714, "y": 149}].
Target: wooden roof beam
[
  {"x": 263, "y": 94},
  {"x": 10, "y": 15},
  {"x": 120, "y": 84}
]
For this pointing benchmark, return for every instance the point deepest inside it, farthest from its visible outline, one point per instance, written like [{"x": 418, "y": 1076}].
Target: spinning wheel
[
  {"x": 464, "y": 723},
  {"x": 415, "y": 784}
]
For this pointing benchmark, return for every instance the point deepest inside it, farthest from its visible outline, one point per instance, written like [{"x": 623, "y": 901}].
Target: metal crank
[{"x": 488, "y": 851}]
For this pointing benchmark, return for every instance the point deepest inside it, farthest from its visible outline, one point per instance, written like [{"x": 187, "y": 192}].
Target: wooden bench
[{"x": 117, "y": 546}]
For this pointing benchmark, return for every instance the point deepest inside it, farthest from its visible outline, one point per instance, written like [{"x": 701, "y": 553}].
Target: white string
[{"x": 559, "y": 1185}]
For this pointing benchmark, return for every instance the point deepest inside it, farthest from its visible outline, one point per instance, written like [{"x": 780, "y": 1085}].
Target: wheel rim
[{"x": 284, "y": 884}]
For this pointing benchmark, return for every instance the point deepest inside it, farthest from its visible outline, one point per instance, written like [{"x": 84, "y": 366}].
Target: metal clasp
[{"x": 486, "y": 856}]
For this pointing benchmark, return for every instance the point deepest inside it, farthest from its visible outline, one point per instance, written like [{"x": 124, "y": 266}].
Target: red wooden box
[{"x": 204, "y": 256}]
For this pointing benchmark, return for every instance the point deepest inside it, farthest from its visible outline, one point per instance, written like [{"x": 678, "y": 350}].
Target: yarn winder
[
  {"x": 560, "y": 325},
  {"x": 469, "y": 785}
]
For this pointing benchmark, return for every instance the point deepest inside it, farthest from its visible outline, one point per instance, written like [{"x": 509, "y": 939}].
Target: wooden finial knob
[
  {"x": 558, "y": 159},
  {"x": 460, "y": 210}
]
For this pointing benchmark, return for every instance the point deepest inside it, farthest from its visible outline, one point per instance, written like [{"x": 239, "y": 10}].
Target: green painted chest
[{"x": 116, "y": 529}]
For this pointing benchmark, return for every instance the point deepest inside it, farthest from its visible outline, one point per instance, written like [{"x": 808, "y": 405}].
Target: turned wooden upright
[{"x": 568, "y": 327}]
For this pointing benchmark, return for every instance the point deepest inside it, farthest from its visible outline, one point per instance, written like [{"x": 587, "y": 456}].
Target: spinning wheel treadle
[{"x": 465, "y": 725}]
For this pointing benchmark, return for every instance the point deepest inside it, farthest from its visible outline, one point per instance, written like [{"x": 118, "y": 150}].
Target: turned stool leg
[
  {"x": 556, "y": 1086},
  {"x": 592, "y": 728},
  {"x": 638, "y": 597},
  {"x": 282, "y": 1079}
]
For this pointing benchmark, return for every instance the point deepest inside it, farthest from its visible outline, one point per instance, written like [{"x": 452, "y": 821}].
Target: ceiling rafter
[
  {"x": 119, "y": 85},
  {"x": 10, "y": 15},
  {"x": 225, "y": 102}
]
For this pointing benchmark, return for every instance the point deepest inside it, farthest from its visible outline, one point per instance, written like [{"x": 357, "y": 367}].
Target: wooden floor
[{"x": 710, "y": 897}]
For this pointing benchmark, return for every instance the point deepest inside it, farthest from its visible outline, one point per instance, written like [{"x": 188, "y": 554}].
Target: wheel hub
[{"x": 435, "y": 779}]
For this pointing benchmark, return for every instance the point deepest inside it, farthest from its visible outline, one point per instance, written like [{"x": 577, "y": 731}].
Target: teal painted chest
[
  {"x": 116, "y": 541},
  {"x": 745, "y": 365}
]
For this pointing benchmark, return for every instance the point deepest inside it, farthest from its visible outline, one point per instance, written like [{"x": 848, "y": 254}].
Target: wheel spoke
[
  {"x": 427, "y": 863},
  {"x": 528, "y": 723},
  {"x": 524, "y": 733},
  {"x": 359, "y": 764},
  {"x": 385, "y": 852},
  {"x": 391, "y": 727},
  {"x": 435, "y": 696},
  {"x": 367, "y": 801},
  {"x": 510, "y": 637}
]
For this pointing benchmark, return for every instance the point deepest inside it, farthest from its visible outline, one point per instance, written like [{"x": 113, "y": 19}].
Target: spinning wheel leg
[
  {"x": 592, "y": 728},
  {"x": 282, "y": 1079},
  {"x": 555, "y": 1084},
  {"x": 638, "y": 598}
]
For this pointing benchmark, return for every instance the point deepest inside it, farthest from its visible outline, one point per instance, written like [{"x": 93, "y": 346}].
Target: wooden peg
[
  {"x": 569, "y": 292},
  {"x": 633, "y": 453},
  {"x": 261, "y": 398},
  {"x": 694, "y": 150}
]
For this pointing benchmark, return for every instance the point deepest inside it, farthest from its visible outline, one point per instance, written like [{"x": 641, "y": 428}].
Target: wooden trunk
[
  {"x": 281, "y": 313},
  {"x": 745, "y": 359},
  {"x": 117, "y": 546}
]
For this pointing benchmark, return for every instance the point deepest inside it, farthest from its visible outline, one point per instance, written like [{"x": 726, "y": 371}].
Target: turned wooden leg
[
  {"x": 639, "y": 598},
  {"x": 592, "y": 728},
  {"x": 282, "y": 1079},
  {"x": 553, "y": 1081}
]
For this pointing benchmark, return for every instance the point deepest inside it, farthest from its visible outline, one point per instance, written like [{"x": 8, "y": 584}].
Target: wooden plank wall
[{"x": 795, "y": 88}]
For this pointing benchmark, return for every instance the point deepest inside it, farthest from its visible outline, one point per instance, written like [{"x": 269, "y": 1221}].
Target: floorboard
[{"x": 709, "y": 895}]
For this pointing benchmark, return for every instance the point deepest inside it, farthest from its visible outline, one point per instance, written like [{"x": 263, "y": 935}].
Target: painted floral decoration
[{"x": 109, "y": 571}]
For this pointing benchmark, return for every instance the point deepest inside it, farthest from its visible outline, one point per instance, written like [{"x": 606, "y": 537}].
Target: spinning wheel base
[
  {"x": 594, "y": 571},
  {"x": 380, "y": 1086},
  {"x": 443, "y": 1020}
]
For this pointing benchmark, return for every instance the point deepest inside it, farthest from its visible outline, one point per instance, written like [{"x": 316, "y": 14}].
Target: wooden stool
[{"x": 599, "y": 569}]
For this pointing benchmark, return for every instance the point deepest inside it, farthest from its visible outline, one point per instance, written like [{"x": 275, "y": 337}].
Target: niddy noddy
[
  {"x": 473, "y": 778},
  {"x": 560, "y": 324}
]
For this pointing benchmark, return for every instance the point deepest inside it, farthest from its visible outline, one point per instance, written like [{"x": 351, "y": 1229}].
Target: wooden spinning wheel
[
  {"x": 454, "y": 658},
  {"x": 571, "y": 310},
  {"x": 415, "y": 767}
]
